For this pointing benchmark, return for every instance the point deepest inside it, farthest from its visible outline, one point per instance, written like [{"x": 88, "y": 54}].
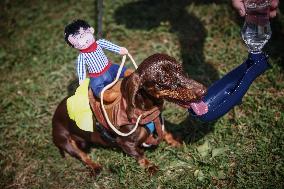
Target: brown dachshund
[{"x": 158, "y": 78}]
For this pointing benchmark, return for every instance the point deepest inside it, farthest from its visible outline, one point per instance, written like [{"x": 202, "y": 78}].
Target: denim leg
[
  {"x": 114, "y": 69},
  {"x": 97, "y": 85}
]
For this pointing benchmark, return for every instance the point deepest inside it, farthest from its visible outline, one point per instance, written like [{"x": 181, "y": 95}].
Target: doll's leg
[
  {"x": 97, "y": 85},
  {"x": 124, "y": 72}
]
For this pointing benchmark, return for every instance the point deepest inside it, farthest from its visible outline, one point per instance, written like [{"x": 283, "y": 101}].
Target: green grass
[{"x": 243, "y": 149}]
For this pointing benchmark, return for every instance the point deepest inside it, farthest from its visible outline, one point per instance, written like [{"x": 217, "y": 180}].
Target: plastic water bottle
[{"x": 256, "y": 30}]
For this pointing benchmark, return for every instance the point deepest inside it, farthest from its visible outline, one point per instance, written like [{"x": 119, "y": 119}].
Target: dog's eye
[
  {"x": 174, "y": 86},
  {"x": 158, "y": 86},
  {"x": 176, "y": 83},
  {"x": 164, "y": 86}
]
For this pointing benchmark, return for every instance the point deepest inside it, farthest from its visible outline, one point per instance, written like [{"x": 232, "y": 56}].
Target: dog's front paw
[
  {"x": 152, "y": 169},
  {"x": 95, "y": 169},
  {"x": 174, "y": 142}
]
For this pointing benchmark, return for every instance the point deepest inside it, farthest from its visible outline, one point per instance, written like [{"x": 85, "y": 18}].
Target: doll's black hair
[{"x": 73, "y": 29}]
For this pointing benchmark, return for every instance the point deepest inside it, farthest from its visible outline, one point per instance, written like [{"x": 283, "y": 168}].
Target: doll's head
[{"x": 79, "y": 34}]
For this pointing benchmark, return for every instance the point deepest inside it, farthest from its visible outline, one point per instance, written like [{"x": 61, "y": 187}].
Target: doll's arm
[
  {"x": 112, "y": 47},
  {"x": 81, "y": 69}
]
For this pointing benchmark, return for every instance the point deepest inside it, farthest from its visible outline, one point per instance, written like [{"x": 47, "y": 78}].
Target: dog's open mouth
[{"x": 199, "y": 107}]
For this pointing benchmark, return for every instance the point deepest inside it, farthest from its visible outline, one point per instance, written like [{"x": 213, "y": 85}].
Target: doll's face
[{"x": 83, "y": 39}]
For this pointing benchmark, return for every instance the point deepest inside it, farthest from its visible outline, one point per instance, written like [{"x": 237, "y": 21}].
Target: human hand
[
  {"x": 123, "y": 51},
  {"x": 240, "y": 7}
]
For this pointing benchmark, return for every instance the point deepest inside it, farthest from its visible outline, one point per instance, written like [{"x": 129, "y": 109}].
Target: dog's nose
[{"x": 201, "y": 91}]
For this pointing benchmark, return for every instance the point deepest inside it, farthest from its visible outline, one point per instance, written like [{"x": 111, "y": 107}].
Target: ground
[{"x": 243, "y": 149}]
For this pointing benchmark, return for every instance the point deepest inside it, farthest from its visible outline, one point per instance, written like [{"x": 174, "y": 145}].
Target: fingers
[
  {"x": 272, "y": 13},
  {"x": 274, "y": 4},
  {"x": 123, "y": 51},
  {"x": 239, "y": 6},
  {"x": 273, "y": 8}
]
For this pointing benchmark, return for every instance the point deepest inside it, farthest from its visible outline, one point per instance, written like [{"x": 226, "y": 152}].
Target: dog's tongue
[{"x": 199, "y": 108}]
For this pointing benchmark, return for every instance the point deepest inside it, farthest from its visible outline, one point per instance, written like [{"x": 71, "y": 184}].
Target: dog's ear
[{"x": 131, "y": 87}]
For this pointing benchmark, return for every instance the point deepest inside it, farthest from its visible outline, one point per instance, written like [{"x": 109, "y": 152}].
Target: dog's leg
[
  {"x": 72, "y": 148},
  {"x": 145, "y": 163},
  {"x": 163, "y": 134},
  {"x": 132, "y": 147},
  {"x": 137, "y": 152},
  {"x": 169, "y": 138},
  {"x": 61, "y": 133}
]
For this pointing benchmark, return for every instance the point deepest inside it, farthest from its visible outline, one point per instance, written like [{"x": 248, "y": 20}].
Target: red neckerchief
[{"x": 91, "y": 48}]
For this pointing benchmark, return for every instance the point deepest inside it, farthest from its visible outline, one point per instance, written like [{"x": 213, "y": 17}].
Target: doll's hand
[{"x": 123, "y": 51}]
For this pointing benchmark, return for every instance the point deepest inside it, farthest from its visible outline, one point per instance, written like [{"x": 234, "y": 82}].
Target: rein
[{"x": 109, "y": 86}]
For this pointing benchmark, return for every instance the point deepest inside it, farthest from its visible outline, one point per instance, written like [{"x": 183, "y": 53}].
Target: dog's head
[{"x": 163, "y": 78}]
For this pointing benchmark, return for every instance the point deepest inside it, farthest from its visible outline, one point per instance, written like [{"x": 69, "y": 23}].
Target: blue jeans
[{"x": 98, "y": 83}]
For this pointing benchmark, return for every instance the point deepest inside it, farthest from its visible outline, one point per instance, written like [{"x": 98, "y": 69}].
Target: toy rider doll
[{"x": 80, "y": 35}]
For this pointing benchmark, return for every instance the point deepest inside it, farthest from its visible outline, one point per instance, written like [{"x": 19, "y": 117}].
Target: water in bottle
[{"x": 256, "y": 30}]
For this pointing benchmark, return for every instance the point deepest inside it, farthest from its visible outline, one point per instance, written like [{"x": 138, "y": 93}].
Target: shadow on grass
[
  {"x": 275, "y": 45},
  {"x": 148, "y": 14},
  {"x": 190, "y": 130}
]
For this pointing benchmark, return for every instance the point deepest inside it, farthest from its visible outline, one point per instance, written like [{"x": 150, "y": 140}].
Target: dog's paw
[
  {"x": 95, "y": 170},
  {"x": 152, "y": 169},
  {"x": 176, "y": 144},
  {"x": 172, "y": 141}
]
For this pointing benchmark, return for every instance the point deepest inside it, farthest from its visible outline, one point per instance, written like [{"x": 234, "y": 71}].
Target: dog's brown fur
[{"x": 158, "y": 78}]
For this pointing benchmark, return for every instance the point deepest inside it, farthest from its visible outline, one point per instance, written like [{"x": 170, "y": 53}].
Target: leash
[{"x": 109, "y": 86}]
